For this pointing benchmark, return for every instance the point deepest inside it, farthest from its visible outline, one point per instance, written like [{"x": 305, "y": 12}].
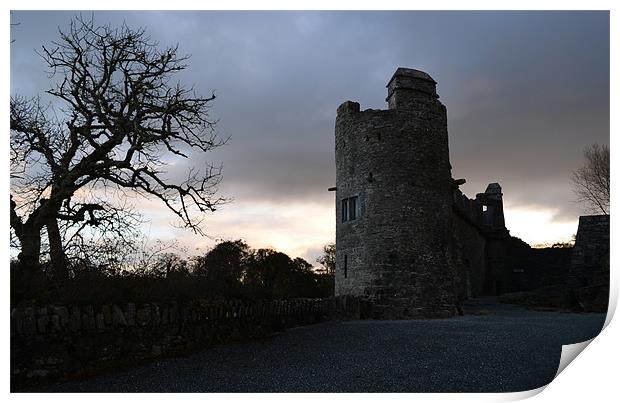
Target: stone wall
[
  {"x": 471, "y": 250},
  {"x": 588, "y": 276},
  {"x": 483, "y": 243},
  {"x": 492, "y": 260},
  {"x": 468, "y": 209},
  {"x": 56, "y": 342}
]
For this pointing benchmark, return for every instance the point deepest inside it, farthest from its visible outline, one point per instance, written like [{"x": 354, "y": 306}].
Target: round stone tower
[{"x": 394, "y": 202}]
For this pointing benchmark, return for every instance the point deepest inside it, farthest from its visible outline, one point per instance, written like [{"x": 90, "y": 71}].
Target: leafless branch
[
  {"x": 122, "y": 114},
  {"x": 591, "y": 182}
]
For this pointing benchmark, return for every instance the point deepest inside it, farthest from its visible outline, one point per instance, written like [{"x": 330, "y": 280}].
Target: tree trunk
[
  {"x": 57, "y": 255},
  {"x": 29, "y": 264}
]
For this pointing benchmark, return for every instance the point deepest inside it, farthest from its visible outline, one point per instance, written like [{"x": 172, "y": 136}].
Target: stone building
[
  {"x": 394, "y": 200},
  {"x": 588, "y": 275},
  {"x": 406, "y": 237}
]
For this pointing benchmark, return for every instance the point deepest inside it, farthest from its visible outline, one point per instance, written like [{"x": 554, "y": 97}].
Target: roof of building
[
  {"x": 493, "y": 188},
  {"x": 405, "y": 72}
]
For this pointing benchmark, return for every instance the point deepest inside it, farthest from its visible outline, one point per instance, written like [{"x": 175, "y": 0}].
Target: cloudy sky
[{"x": 525, "y": 92}]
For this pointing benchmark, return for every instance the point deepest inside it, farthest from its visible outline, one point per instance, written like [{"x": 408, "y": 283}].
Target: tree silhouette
[
  {"x": 328, "y": 268},
  {"x": 224, "y": 265},
  {"x": 328, "y": 259},
  {"x": 121, "y": 114},
  {"x": 591, "y": 181}
]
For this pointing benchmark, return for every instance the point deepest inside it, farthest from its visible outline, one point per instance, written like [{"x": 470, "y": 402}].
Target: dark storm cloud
[{"x": 525, "y": 91}]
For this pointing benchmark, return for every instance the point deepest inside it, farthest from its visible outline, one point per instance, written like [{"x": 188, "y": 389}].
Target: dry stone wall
[{"x": 56, "y": 342}]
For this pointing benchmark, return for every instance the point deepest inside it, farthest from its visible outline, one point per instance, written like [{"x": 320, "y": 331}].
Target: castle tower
[
  {"x": 394, "y": 201},
  {"x": 493, "y": 213}
]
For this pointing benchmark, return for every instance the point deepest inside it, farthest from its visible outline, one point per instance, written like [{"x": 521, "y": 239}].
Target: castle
[{"x": 406, "y": 236}]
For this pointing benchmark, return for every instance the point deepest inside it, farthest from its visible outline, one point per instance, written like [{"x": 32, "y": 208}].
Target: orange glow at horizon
[
  {"x": 300, "y": 229},
  {"x": 537, "y": 226}
]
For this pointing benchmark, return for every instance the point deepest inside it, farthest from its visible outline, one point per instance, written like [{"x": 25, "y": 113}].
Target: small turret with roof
[{"x": 408, "y": 86}]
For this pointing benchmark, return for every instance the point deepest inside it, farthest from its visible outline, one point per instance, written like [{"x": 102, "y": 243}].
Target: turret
[
  {"x": 493, "y": 213},
  {"x": 409, "y": 87}
]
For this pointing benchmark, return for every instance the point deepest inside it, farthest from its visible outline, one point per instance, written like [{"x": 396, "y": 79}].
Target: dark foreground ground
[{"x": 500, "y": 349}]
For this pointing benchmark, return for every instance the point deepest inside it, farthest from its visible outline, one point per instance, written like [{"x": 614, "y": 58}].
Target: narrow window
[
  {"x": 345, "y": 266},
  {"x": 349, "y": 208},
  {"x": 352, "y": 208}
]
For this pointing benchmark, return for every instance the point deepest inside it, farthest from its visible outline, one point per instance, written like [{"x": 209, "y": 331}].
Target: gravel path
[{"x": 506, "y": 349}]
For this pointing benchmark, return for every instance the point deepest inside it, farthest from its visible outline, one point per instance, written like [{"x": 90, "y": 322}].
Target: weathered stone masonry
[
  {"x": 394, "y": 165},
  {"x": 54, "y": 342},
  {"x": 588, "y": 276}
]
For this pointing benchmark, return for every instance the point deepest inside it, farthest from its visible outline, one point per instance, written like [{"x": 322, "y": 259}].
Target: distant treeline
[{"x": 230, "y": 270}]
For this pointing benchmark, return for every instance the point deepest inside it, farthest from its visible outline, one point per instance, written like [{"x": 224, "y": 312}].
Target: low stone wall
[{"x": 58, "y": 342}]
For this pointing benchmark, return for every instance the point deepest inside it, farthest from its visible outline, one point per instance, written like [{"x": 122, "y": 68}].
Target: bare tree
[
  {"x": 121, "y": 115},
  {"x": 591, "y": 181},
  {"x": 103, "y": 241}
]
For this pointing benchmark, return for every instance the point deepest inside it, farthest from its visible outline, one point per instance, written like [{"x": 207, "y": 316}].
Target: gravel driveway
[{"x": 500, "y": 349}]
